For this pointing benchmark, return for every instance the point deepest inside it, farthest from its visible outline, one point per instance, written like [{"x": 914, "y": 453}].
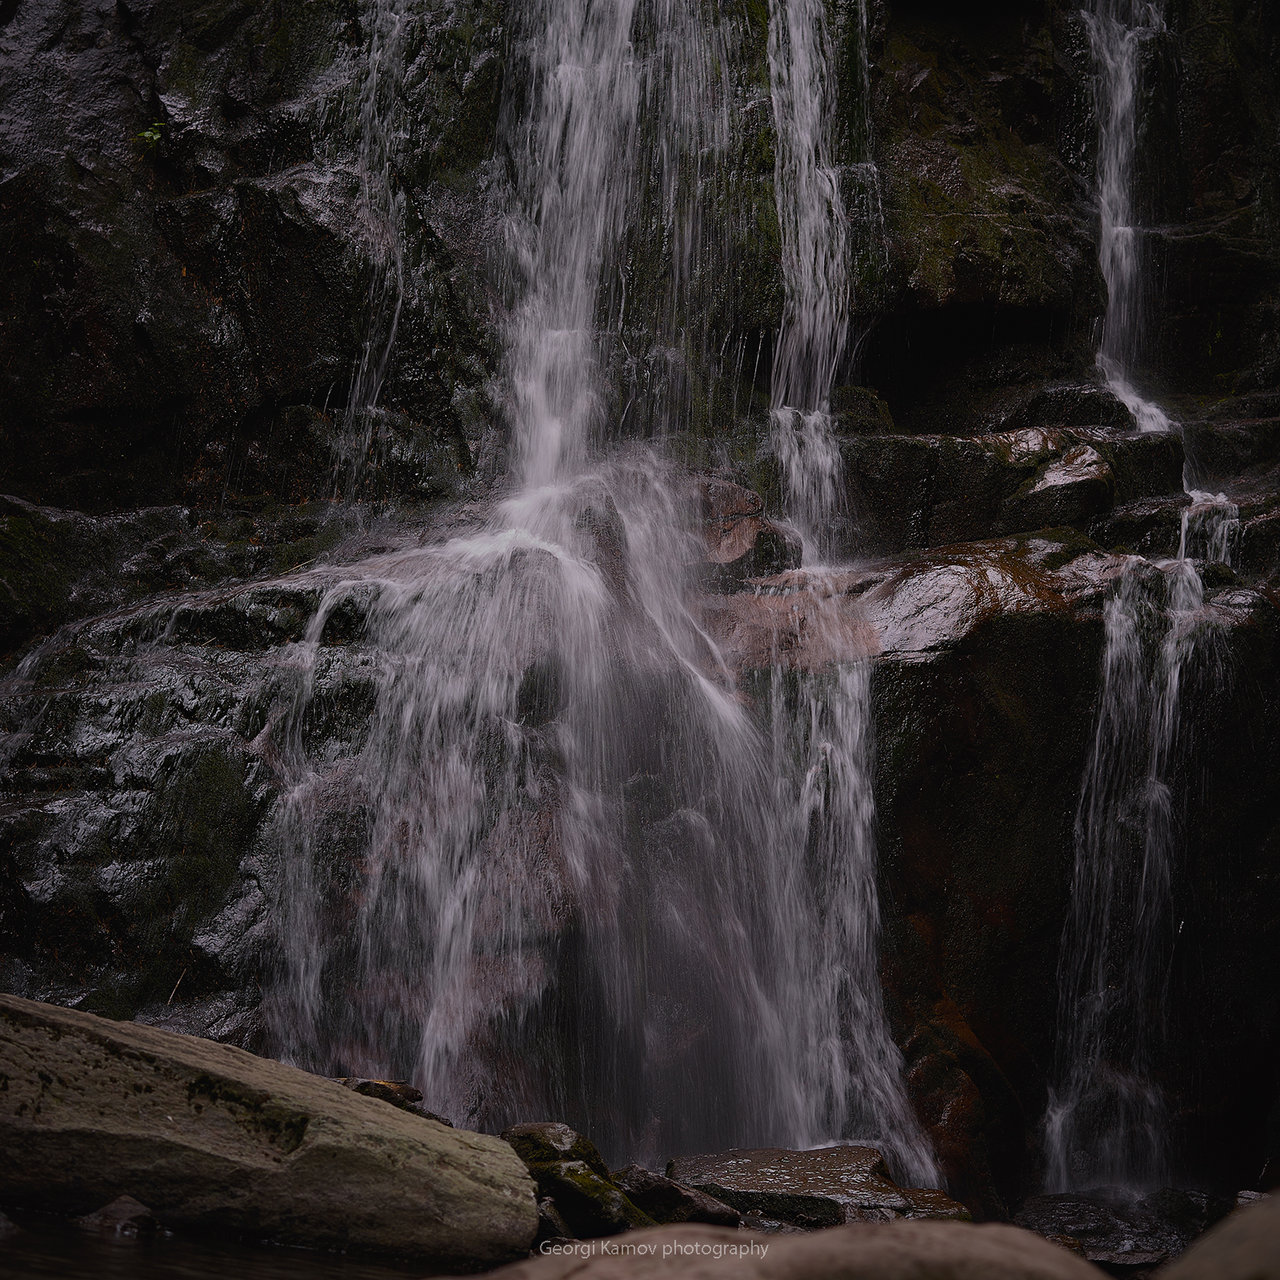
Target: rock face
[
  {"x": 810, "y": 1189},
  {"x": 892, "y": 1251},
  {"x": 210, "y": 1137},
  {"x": 178, "y": 182}
]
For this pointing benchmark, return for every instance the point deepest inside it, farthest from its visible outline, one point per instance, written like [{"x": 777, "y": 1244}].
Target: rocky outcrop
[{"x": 210, "y": 1137}]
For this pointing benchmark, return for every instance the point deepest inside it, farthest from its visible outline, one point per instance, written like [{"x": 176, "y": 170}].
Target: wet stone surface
[{"x": 811, "y": 1189}]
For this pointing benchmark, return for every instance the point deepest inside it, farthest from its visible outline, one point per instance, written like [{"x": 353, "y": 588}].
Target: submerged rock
[
  {"x": 214, "y": 1138},
  {"x": 124, "y": 1216},
  {"x": 811, "y": 1189}
]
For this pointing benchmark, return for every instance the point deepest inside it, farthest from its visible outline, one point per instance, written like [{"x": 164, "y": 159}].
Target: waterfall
[
  {"x": 560, "y": 873},
  {"x": 381, "y": 210},
  {"x": 1107, "y": 1122}
]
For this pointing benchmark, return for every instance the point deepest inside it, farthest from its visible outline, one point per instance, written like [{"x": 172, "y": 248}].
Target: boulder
[
  {"x": 667, "y": 1201},
  {"x": 822, "y": 1188},
  {"x": 1244, "y": 1246},
  {"x": 1118, "y": 1232},
  {"x": 573, "y": 1177},
  {"x": 214, "y": 1138},
  {"x": 890, "y": 1251},
  {"x": 124, "y": 1216},
  {"x": 741, "y": 541}
]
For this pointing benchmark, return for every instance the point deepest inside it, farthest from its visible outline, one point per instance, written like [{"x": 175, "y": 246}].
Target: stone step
[{"x": 911, "y": 492}]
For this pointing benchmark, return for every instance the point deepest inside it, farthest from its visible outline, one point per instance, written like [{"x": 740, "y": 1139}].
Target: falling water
[
  {"x": 823, "y": 720},
  {"x": 569, "y": 881},
  {"x": 1119, "y": 31},
  {"x": 814, "y": 228},
  {"x": 1107, "y": 1122},
  {"x": 381, "y": 211}
]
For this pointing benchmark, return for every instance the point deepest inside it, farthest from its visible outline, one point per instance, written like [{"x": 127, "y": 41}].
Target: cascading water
[
  {"x": 382, "y": 212},
  {"x": 1107, "y": 1123},
  {"x": 577, "y": 885},
  {"x": 823, "y": 720}
]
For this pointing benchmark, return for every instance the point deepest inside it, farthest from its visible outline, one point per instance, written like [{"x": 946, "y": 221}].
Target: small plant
[{"x": 151, "y": 136}]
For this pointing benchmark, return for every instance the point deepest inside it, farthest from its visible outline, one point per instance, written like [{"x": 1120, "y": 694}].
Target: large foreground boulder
[
  {"x": 208, "y": 1136},
  {"x": 1245, "y": 1246},
  {"x": 889, "y": 1251}
]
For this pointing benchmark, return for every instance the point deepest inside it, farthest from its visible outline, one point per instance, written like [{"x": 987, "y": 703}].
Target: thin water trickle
[
  {"x": 381, "y": 210},
  {"x": 1119, "y": 31},
  {"x": 1107, "y": 1123},
  {"x": 814, "y": 226}
]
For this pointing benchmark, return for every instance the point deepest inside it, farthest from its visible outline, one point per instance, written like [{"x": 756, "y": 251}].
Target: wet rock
[
  {"x": 571, "y": 1173},
  {"x": 57, "y": 566},
  {"x": 1081, "y": 404},
  {"x": 970, "y": 1111},
  {"x": 1150, "y": 527},
  {"x": 741, "y": 541},
  {"x": 212, "y": 1137},
  {"x": 667, "y": 1201},
  {"x": 1067, "y": 491},
  {"x": 859, "y": 411},
  {"x": 174, "y": 186},
  {"x": 1119, "y": 1233},
  {"x": 398, "y": 1093},
  {"x": 892, "y": 1251},
  {"x": 1218, "y": 449},
  {"x": 124, "y": 1216},
  {"x": 992, "y": 272},
  {"x": 919, "y": 491},
  {"x": 811, "y": 1189}
]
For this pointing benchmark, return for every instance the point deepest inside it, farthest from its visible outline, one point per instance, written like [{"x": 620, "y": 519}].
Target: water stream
[{"x": 1107, "y": 1123}]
